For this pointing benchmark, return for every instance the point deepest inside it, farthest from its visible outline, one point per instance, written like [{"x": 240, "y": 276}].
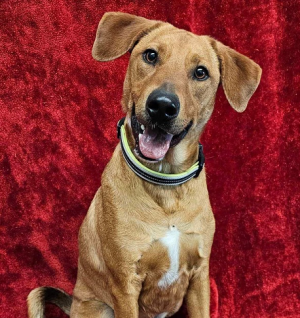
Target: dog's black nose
[{"x": 162, "y": 106}]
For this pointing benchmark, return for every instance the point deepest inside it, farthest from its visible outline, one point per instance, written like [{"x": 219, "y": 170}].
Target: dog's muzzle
[{"x": 152, "y": 141}]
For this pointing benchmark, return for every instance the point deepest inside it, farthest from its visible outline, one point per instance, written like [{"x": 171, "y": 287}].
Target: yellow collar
[{"x": 151, "y": 175}]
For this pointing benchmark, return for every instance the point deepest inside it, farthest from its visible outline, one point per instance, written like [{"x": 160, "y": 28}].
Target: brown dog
[{"x": 145, "y": 247}]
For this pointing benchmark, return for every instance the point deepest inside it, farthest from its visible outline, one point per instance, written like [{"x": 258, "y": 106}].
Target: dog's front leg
[
  {"x": 125, "y": 301},
  {"x": 125, "y": 305},
  {"x": 198, "y": 295}
]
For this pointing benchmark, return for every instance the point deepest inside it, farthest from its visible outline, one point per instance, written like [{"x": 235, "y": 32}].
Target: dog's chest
[{"x": 167, "y": 267}]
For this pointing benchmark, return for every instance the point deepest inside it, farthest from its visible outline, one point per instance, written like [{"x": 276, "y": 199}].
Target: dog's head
[{"x": 172, "y": 79}]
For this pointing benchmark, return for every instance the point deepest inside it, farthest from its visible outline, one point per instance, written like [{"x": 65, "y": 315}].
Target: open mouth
[{"x": 151, "y": 141}]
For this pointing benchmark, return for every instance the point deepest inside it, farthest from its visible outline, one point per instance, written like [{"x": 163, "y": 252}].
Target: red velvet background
[{"x": 58, "y": 112}]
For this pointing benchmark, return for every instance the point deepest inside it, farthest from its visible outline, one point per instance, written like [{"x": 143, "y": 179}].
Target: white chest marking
[{"x": 171, "y": 241}]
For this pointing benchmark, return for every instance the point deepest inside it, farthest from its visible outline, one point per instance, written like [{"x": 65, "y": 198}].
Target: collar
[{"x": 151, "y": 175}]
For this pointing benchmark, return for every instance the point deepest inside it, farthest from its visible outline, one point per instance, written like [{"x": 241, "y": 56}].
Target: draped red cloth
[{"x": 58, "y": 113}]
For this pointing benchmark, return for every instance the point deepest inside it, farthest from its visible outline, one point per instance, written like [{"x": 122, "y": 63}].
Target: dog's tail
[{"x": 38, "y": 297}]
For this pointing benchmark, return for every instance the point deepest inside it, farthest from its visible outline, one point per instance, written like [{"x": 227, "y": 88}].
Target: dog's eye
[
  {"x": 150, "y": 56},
  {"x": 201, "y": 73}
]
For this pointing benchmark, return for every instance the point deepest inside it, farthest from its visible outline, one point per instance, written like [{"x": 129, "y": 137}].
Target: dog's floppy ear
[
  {"x": 117, "y": 33},
  {"x": 240, "y": 75}
]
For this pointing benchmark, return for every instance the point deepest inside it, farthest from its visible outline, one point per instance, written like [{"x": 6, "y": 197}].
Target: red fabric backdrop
[{"x": 58, "y": 112}]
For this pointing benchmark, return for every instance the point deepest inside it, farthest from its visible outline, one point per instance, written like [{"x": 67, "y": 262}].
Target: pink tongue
[{"x": 154, "y": 143}]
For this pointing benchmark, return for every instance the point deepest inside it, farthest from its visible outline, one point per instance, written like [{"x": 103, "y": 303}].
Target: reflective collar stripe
[{"x": 153, "y": 176}]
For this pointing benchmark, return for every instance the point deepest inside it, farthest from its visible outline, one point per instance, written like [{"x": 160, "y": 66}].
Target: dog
[{"x": 145, "y": 243}]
